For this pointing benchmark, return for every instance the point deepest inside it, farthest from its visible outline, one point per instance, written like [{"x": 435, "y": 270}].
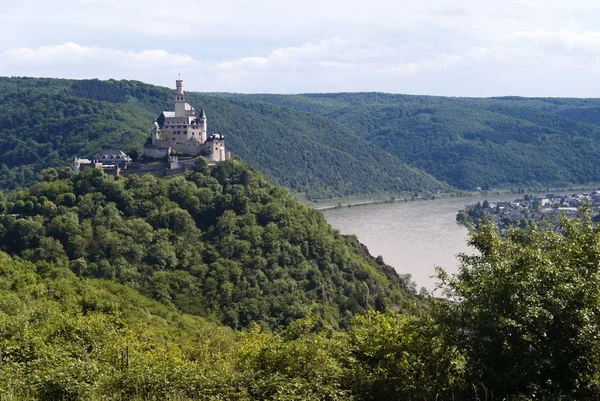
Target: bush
[{"x": 527, "y": 310}]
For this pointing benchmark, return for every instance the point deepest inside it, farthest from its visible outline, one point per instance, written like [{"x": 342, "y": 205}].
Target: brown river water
[{"x": 413, "y": 237}]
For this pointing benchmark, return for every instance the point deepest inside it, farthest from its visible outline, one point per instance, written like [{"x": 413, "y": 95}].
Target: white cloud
[
  {"x": 334, "y": 52},
  {"x": 244, "y": 64},
  {"x": 72, "y": 53},
  {"x": 71, "y": 60},
  {"x": 563, "y": 39},
  {"x": 334, "y": 64},
  {"x": 471, "y": 47},
  {"x": 443, "y": 62}
]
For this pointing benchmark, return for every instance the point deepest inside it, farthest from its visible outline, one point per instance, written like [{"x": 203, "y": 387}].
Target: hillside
[
  {"x": 45, "y": 122},
  {"x": 221, "y": 243},
  {"x": 319, "y": 145},
  {"x": 525, "y": 326},
  {"x": 65, "y": 337},
  {"x": 218, "y": 285},
  {"x": 496, "y": 142}
]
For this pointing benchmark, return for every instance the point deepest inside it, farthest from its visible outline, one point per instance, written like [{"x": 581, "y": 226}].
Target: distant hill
[
  {"x": 467, "y": 142},
  {"x": 45, "y": 122},
  {"x": 319, "y": 145}
]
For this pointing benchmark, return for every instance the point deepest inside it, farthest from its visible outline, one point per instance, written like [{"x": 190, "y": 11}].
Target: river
[{"x": 413, "y": 237}]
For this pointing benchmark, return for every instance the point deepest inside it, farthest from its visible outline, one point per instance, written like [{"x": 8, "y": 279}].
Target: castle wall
[
  {"x": 188, "y": 147},
  {"x": 157, "y": 152},
  {"x": 175, "y": 171},
  {"x": 157, "y": 170}
]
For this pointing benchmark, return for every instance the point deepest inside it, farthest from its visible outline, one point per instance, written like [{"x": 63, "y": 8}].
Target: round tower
[
  {"x": 179, "y": 85},
  {"x": 203, "y": 125}
]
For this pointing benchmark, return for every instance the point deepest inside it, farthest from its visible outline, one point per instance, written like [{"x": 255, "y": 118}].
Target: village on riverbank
[{"x": 543, "y": 210}]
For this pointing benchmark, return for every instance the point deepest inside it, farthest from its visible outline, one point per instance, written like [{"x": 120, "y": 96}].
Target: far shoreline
[{"x": 342, "y": 203}]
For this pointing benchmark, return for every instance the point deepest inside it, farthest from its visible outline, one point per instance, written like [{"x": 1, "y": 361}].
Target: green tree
[
  {"x": 2, "y": 203},
  {"x": 201, "y": 166},
  {"x": 394, "y": 357},
  {"x": 526, "y": 310}
]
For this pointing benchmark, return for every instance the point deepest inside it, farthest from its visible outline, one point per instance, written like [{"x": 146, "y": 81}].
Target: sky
[{"x": 429, "y": 47}]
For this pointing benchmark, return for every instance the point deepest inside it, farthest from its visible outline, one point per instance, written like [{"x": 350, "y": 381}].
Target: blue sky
[{"x": 436, "y": 47}]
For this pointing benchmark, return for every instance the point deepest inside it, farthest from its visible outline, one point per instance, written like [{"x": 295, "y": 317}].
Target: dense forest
[
  {"x": 216, "y": 285},
  {"x": 46, "y": 122},
  {"x": 469, "y": 143},
  {"x": 221, "y": 243},
  {"x": 321, "y": 146}
]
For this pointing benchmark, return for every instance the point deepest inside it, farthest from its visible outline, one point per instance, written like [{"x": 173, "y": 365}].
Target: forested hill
[
  {"x": 471, "y": 142},
  {"x": 45, "y": 122},
  {"x": 319, "y": 145},
  {"x": 224, "y": 244},
  {"x": 221, "y": 243}
]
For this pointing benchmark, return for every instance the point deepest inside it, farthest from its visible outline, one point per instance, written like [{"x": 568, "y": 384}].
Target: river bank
[{"x": 380, "y": 200}]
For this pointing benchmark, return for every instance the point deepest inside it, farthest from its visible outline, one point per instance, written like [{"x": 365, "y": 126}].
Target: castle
[
  {"x": 185, "y": 132},
  {"x": 180, "y": 130}
]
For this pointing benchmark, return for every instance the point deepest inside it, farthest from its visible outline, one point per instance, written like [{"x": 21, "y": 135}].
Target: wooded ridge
[{"x": 321, "y": 146}]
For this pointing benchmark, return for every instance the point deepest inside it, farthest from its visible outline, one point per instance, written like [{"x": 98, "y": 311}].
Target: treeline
[
  {"x": 320, "y": 146},
  {"x": 221, "y": 243}
]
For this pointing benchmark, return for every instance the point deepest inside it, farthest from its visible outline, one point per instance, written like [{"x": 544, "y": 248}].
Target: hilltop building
[
  {"x": 109, "y": 160},
  {"x": 186, "y": 132},
  {"x": 115, "y": 157}
]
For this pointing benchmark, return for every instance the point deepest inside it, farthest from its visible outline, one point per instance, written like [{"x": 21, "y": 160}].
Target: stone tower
[
  {"x": 179, "y": 99},
  {"x": 203, "y": 122}
]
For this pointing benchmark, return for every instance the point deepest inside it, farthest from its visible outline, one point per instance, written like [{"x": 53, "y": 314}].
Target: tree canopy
[
  {"x": 526, "y": 310},
  {"x": 221, "y": 243}
]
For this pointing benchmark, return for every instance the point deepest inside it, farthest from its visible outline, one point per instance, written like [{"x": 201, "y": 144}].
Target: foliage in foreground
[
  {"x": 527, "y": 310},
  {"x": 69, "y": 338},
  {"x": 523, "y": 324},
  {"x": 524, "y": 319}
]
